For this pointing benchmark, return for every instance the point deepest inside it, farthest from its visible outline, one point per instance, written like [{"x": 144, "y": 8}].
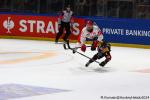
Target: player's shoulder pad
[
  {"x": 96, "y": 27},
  {"x": 84, "y": 28},
  {"x": 109, "y": 46}
]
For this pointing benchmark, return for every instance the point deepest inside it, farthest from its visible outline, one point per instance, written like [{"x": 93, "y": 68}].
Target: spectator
[
  {"x": 93, "y": 7},
  {"x": 100, "y": 7},
  {"x": 86, "y": 7},
  {"x": 80, "y": 6}
]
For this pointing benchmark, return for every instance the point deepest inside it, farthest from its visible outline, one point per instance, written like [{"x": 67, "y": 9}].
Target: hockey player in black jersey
[{"x": 103, "y": 51}]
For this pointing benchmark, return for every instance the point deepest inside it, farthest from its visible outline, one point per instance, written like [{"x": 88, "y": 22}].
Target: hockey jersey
[{"x": 85, "y": 35}]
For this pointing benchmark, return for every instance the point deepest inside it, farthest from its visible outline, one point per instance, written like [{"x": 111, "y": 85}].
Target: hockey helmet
[{"x": 89, "y": 25}]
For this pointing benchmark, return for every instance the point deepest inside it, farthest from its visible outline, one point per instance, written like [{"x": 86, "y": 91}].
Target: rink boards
[{"x": 120, "y": 32}]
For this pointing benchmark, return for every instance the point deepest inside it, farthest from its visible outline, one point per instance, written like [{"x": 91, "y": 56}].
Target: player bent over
[
  {"x": 103, "y": 51},
  {"x": 92, "y": 33}
]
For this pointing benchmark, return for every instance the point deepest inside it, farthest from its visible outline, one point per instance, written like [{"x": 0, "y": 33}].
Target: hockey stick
[
  {"x": 68, "y": 46},
  {"x": 79, "y": 52}
]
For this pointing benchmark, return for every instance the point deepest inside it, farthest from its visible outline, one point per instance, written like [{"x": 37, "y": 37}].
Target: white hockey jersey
[{"x": 90, "y": 35}]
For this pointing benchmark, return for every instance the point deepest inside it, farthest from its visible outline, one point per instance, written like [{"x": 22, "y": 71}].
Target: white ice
[{"x": 127, "y": 74}]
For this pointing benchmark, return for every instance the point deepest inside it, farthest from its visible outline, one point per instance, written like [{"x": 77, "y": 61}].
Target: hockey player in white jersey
[{"x": 92, "y": 33}]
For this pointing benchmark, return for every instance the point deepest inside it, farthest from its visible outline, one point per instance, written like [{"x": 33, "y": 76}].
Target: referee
[{"x": 65, "y": 20}]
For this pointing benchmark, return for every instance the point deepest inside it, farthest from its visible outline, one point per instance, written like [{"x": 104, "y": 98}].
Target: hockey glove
[
  {"x": 83, "y": 47},
  {"x": 94, "y": 45}
]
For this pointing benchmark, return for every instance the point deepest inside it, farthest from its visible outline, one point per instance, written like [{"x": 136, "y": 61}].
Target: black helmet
[
  {"x": 106, "y": 44},
  {"x": 103, "y": 44}
]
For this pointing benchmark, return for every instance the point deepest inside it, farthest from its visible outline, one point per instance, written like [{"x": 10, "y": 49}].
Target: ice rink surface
[{"x": 47, "y": 65}]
